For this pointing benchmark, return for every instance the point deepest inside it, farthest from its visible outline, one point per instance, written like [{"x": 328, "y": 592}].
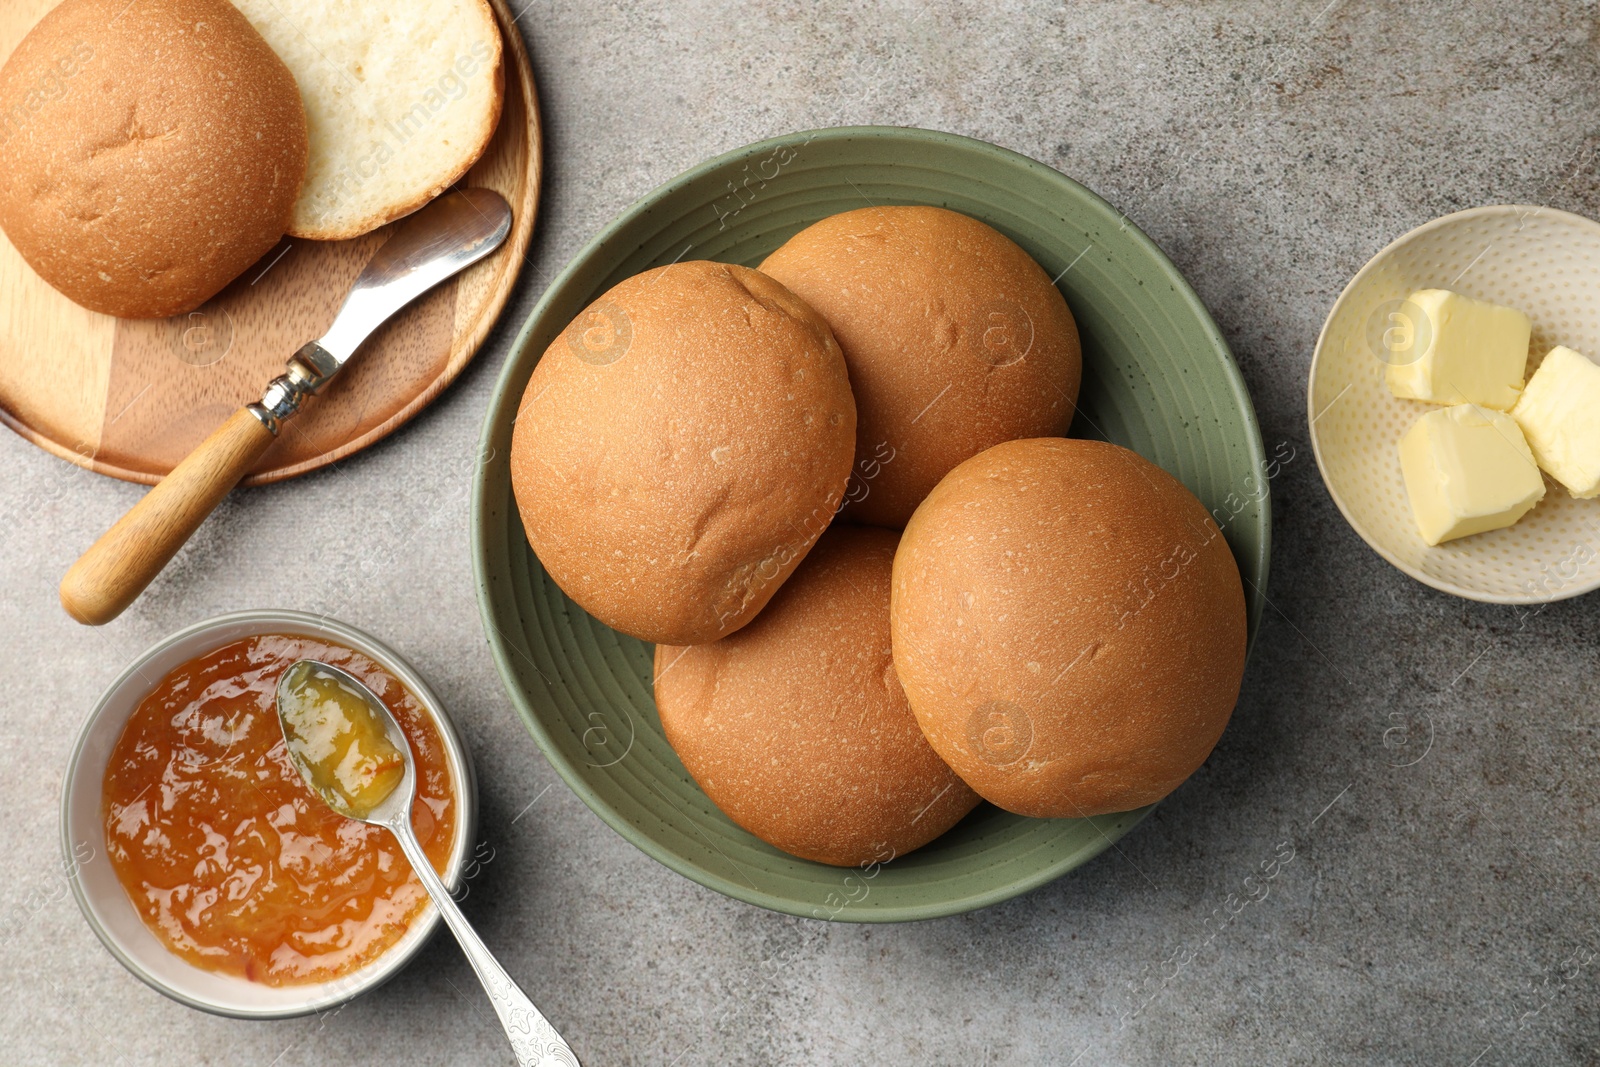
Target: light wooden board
[{"x": 130, "y": 398}]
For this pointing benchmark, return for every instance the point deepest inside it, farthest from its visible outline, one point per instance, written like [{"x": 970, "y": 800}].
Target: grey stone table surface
[{"x": 1429, "y": 763}]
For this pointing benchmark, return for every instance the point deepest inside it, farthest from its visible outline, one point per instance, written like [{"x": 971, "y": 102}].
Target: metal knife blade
[{"x": 449, "y": 235}]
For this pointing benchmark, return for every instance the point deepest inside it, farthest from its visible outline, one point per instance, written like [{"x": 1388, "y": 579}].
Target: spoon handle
[{"x": 533, "y": 1039}]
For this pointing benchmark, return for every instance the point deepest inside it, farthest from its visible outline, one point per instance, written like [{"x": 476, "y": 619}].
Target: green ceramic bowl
[{"x": 1157, "y": 378}]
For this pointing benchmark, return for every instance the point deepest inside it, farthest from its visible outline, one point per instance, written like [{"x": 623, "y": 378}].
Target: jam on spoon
[
  {"x": 336, "y": 739},
  {"x": 345, "y": 744}
]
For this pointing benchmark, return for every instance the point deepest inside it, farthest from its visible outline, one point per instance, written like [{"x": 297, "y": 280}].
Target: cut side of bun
[{"x": 401, "y": 98}]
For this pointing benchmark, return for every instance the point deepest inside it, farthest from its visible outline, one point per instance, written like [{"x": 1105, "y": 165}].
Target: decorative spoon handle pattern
[{"x": 533, "y": 1039}]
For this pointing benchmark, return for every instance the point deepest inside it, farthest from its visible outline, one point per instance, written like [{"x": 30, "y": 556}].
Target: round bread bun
[
  {"x": 152, "y": 151},
  {"x": 680, "y": 446},
  {"x": 796, "y": 726},
  {"x": 1069, "y": 626},
  {"x": 956, "y": 340},
  {"x": 402, "y": 98}
]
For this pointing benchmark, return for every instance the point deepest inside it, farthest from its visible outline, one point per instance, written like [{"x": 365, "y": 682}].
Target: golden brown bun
[
  {"x": 680, "y": 446},
  {"x": 956, "y": 340},
  {"x": 1069, "y": 626},
  {"x": 796, "y": 726},
  {"x": 153, "y": 151}
]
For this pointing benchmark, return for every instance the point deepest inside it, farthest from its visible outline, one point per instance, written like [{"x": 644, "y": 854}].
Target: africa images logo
[
  {"x": 1005, "y": 332},
  {"x": 1398, "y": 332},
  {"x": 52, "y": 86},
  {"x": 1000, "y": 732},
  {"x": 203, "y": 336},
  {"x": 601, "y": 335}
]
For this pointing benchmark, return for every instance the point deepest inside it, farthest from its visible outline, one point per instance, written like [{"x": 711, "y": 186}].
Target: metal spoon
[{"x": 533, "y": 1040}]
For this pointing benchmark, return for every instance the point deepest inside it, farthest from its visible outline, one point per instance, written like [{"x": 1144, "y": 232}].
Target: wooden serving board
[{"x": 130, "y": 398}]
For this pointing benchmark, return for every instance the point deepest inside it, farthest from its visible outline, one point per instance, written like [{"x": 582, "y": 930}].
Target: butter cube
[
  {"x": 1467, "y": 470},
  {"x": 1559, "y": 412},
  {"x": 1460, "y": 351}
]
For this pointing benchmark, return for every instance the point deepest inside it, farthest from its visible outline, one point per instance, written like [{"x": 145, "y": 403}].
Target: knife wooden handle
[{"x": 116, "y": 569}]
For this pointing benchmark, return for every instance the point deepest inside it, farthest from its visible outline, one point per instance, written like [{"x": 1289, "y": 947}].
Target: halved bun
[{"x": 402, "y": 99}]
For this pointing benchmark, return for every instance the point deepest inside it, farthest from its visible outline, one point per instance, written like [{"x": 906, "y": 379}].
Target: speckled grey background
[{"x": 1429, "y": 763}]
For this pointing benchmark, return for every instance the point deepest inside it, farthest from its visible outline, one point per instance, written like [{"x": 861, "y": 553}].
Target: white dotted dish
[{"x": 1545, "y": 263}]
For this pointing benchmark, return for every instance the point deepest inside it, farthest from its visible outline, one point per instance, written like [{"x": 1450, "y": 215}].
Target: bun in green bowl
[{"x": 1157, "y": 378}]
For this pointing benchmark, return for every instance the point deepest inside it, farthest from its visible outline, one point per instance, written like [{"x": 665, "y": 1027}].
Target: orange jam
[{"x": 225, "y": 851}]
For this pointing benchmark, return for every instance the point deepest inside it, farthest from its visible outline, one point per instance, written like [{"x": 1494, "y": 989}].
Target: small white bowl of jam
[{"x": 203, "y": 861}]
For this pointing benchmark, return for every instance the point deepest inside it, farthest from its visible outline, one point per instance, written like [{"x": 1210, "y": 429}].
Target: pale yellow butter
[
  {"x": 1559, "y": 412},
  {"x": 1467, "y": 470},
  {"x": 1457, "y": 350}
]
